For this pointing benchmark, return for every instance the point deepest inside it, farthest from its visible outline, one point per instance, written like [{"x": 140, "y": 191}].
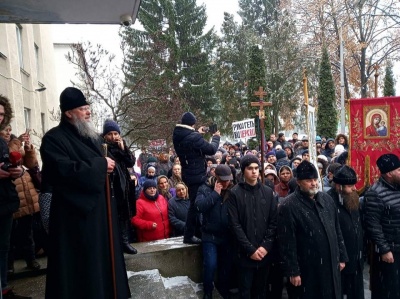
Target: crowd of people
[{"x": 262, "y": 228}]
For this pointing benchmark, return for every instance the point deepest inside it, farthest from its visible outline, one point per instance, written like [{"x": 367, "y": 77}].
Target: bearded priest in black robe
[{"x": 79, "y": 258}]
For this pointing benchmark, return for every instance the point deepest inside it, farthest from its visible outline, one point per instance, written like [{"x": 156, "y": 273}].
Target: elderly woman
[
  {"x": 178, "y": 207},
  {"x": 176, "y": 175},
  {"x": 151, "y": 219}
]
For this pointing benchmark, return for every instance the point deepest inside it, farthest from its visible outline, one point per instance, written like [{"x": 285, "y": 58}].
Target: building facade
[{"x": 27, "y": 77}]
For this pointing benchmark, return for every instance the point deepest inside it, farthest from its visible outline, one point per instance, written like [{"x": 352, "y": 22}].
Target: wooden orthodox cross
[{"x": 261, "y": 115}]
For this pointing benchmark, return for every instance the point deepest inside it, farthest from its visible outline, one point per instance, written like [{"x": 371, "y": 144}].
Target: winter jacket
[
  {"x": 177, "y": 213},
  {"x": 149, "y": 212},
  {"x": 9, "y": 201},
  {"x": 252, "y": 218},
  {"x": 382, "y": 216},
  {"x": 213, "y": 206},
  {"x": 328, "y": 152},
  {"x": 191, "y": 149},
  {"x": 27, "y": 194}
]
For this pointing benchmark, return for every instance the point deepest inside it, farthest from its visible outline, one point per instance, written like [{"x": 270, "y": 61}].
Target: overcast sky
[{"x": 107, "y": 35}]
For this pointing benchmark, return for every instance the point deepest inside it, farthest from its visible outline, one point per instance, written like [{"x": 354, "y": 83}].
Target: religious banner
[
  {"x": 374, "y": 126},
  {"x": 244, "y": 129},
  {"x": 157, "y": 145}
]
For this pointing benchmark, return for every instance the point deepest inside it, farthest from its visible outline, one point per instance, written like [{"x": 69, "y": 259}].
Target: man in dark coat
[
  {"x": 211, "y": 201},
  {"x": 347, "y": 202},
  {"x": 382, "y": 222},
  {"x": 79, "y": 258},
  {"x": 192, "y": 149},
  {"x": 310, "y": 240},
  {"x": 9, "y": 201},
  {"x": 252, "y": 210}
]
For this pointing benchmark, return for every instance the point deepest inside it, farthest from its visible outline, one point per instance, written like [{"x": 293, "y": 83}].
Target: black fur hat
[
  {"x": 306, "y": 170},
  {"x": 387, "y": 163},
  {"x": 345, "y": 175}
]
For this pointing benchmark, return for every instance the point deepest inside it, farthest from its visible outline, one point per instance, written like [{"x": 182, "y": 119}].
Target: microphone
[{"x": 15, "y": 159}]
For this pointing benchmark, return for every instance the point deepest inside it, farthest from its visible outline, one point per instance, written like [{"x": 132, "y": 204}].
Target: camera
[
  {"x": 126, "y": 20},
  {"x": 212, "y": 129}
]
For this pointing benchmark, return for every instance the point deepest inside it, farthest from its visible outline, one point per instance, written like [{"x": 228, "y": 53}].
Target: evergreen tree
[
  {"x": 327, "y": 120},
  {"x": 389, "y": 83},
  {"x": 282, "y": 52},
  {"x": 230, "y": 74},
  {"x": 168, "y": 63},
  {"x": 258, "y": 14},
  {"x": 256, "y": 78}
]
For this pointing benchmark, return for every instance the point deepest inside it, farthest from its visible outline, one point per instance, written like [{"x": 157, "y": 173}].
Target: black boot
[{"x": 126, "y": 246}]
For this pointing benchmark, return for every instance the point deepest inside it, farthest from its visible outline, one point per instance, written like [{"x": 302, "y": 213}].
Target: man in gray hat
[
  {"x": 310, "y": 239},
  {"x": 382, "y": 222},
  {"x": 74, "y": 164}
]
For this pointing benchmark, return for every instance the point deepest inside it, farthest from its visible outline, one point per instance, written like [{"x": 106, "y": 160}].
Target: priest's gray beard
[{"x": 85, "y": 128}]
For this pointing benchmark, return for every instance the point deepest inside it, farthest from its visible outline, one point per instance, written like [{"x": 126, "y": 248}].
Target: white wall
[{"x": 19, "y": 84}]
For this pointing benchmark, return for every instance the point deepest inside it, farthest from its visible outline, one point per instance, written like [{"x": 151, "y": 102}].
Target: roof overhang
[{"x": 67, "y": 11}]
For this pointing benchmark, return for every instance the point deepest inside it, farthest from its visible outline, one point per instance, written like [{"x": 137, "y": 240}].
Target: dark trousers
[
  {"x": 353, "y": 285},
  {"x": 217, "y": 257},
  {"x": 192, "y": 224},
  {"x": 385, "y": 278},
  {"x": 275, "y": 281},
  {"x": 22, "y": 240},
  {"x": 253, "y": 282},
  {"x": 5, "y": 232}
]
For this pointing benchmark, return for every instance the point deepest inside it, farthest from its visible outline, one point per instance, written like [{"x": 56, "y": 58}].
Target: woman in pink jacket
[{"x": 151, "y": 218}]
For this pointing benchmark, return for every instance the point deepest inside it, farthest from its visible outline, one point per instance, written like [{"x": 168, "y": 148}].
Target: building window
[
  {"x": 43, "y": 122},
  {"x": 19, "y": 44},
  {"x": 27, "y": 117},
  {"x": 37, "y": 61}
]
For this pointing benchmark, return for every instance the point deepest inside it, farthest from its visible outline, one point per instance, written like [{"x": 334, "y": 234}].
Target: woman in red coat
[{"x": 151, "y": 218}]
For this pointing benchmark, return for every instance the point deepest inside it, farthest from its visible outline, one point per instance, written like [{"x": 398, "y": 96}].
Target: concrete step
[{"x": 146, "y": 284}]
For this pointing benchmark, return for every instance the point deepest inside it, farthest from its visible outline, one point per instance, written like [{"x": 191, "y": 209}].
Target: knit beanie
[
  {"x": 188, "y": 118},
  {"x": 280, "y": 154},
  {"x": 149, "y": 183},
  {"x": 72, "y": 98},
  {"x": 247, "y": 160},
  {"x": 109, "y": 126},
  {"x": 306, "y": 170},
  {"x": 146, "y": 185},
  {"x": 345, "y": 175}
]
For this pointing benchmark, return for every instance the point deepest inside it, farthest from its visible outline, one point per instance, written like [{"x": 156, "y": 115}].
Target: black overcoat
[
  {"x": 311, "y": 244},
  {"x": 79, "y": 253}
]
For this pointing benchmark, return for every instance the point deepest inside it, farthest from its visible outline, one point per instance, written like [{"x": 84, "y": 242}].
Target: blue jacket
[
  {"x": 177, "y": 213},
  {"x": 191, "y": 149},
  {"x": 215, "y": 227}
]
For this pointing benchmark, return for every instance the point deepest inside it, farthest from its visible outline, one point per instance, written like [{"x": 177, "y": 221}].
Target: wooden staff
[{"x": 110, "y": 227}]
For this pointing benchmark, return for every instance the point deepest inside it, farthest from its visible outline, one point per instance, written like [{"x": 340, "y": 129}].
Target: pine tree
[
  {"x": 327, "y": 120},
  {"x": 230, "y": 74},
  {"x": 389, "y": 83},
  {"x": 256, "y": 78},
  {"x": 258, "y": 14},
  {"x": 169, "y": 64}
]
